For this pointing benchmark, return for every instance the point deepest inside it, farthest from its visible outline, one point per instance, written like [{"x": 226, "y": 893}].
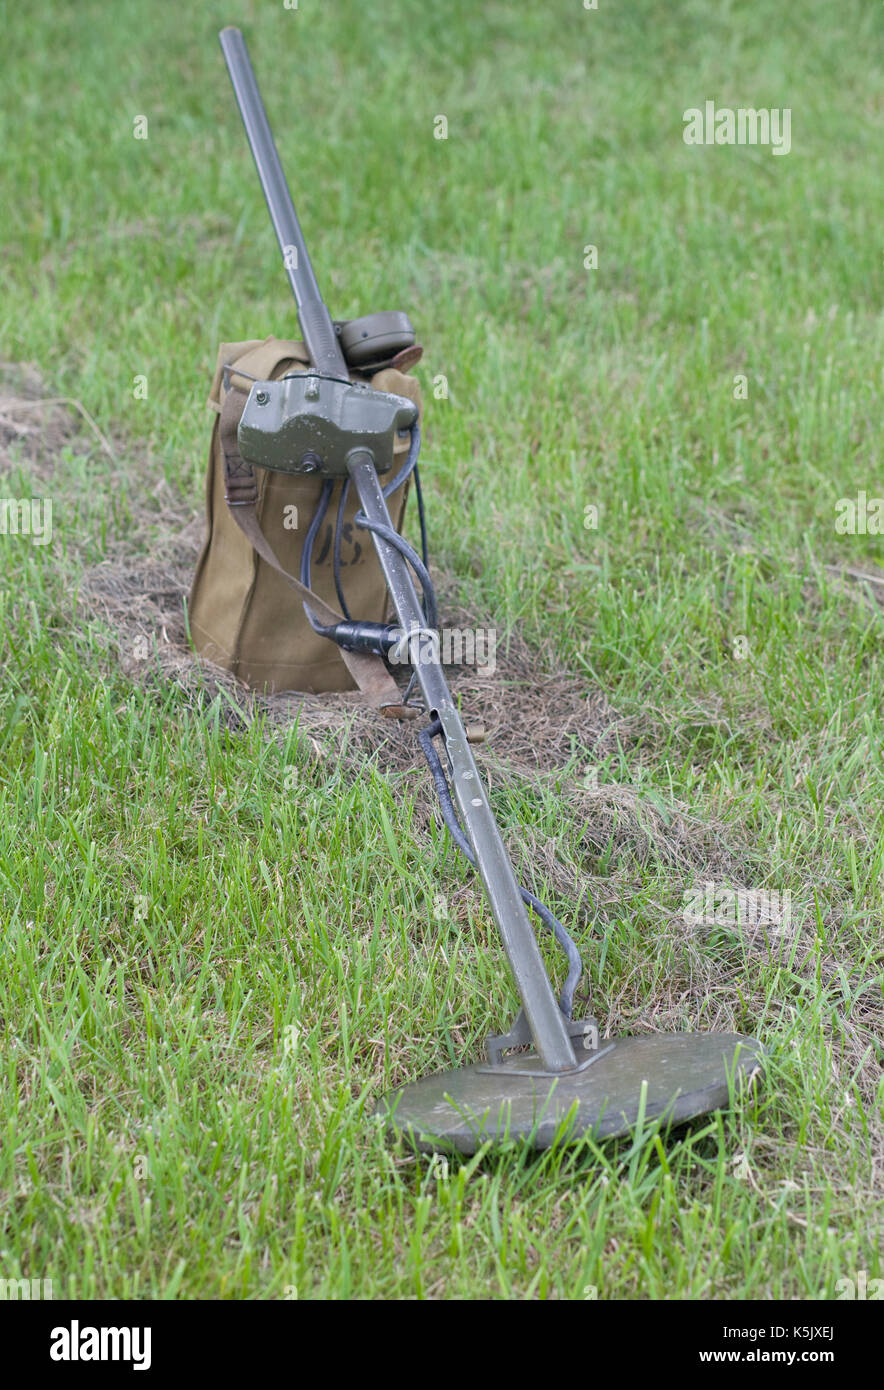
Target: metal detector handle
[{"x": 316, "y": 325}]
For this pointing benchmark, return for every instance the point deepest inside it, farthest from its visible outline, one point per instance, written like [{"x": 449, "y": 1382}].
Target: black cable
[
  {"x": 449, "y": 814},
  {"x": 386, "y": 533},
  {"x": 307, "y": 552},
  {"x": 410, "y": 464},
  {"x": 409, "y": 467},
  {"x": 419, "y": 495},
  {"x": 339, "y": 523},
  {"x": 393, "y": 538}
]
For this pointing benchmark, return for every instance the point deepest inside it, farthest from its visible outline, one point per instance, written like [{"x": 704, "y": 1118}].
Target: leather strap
[{"x": 241, "y": 494}]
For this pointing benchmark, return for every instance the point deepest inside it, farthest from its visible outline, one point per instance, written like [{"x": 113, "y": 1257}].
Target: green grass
[{"x": 212, "y": 966}]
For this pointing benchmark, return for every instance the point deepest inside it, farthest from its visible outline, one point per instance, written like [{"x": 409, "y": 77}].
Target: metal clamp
[{"x": 519, "y": 1035}]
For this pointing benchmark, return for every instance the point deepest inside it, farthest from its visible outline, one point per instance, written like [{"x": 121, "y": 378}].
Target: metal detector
[{"x": 549, "y": 1077}]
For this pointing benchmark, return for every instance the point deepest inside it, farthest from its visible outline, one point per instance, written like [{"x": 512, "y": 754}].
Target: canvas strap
[{"x": 241, "y": 494}]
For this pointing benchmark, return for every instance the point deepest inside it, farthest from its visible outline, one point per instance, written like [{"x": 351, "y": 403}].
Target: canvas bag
[{"x": 243, "y": 614}]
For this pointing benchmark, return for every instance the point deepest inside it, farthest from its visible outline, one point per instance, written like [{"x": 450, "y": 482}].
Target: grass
[{"x": 219, "y": 948}]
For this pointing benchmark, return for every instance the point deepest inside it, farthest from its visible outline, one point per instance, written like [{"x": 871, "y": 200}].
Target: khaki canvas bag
[{"x": 244, "y": 615}]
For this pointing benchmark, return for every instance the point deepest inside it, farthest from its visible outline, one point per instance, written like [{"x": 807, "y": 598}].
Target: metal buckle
[{"x": 230, "y": 367}]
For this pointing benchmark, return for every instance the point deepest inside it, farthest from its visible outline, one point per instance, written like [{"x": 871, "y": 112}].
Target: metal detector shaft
[
  {"x": 544, "y": 1016},
  {"x": 316, "y": 325},
  {"x": 545, "y": 1019}
]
